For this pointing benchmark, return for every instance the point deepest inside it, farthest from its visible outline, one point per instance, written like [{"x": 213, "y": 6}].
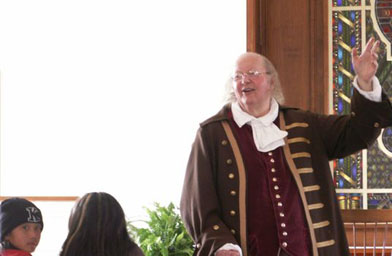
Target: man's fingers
[
  {"x": 369, "y": 44},
  {"x": 375, "y": 47},
  {"x": 354, "y": 54}
]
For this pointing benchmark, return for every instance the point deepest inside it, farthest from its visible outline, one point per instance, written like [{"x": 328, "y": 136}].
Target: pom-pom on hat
[{"x": 15, "y": 211}]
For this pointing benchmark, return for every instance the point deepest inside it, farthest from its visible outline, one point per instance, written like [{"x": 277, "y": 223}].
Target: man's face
[
  {"x": 252, "y": 82},
  {"x": 25, "y": 237}
]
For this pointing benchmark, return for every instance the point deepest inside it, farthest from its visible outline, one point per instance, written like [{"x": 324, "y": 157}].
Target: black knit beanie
[{"x": 15, "y": 211}]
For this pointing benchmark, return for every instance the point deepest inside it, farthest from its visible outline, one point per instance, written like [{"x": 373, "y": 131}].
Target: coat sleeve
[
  {"x": 346, "y": 134},
  {"x": 200, "y": 206}
]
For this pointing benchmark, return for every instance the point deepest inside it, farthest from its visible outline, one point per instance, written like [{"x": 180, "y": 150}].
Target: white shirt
[{"x": 266, "y": 135}]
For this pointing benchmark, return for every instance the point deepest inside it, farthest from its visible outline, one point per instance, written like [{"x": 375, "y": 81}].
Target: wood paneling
[{"x": 294, "y": 36}]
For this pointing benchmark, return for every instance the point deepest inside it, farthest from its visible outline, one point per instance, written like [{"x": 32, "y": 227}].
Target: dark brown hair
[{"x": 97, "y": 227}]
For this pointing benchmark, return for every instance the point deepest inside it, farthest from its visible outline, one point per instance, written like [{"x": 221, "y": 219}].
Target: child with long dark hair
[{"x": 97, "y": 227}]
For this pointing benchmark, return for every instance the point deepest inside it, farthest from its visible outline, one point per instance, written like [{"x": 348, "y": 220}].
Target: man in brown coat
[{"x": 258, "y": 180}]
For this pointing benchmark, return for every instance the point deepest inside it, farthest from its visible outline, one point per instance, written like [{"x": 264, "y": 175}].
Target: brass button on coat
[
  {"x": 229, "y": 161},
  {"x": 215, "y": 227},
  {"x": 233, "y": 193},
  {"x": 376, "y": 124},
  {"x": 232, "y": 213},
  {"x": 231, "y": 176},
  {"x": 224, "y": 142},
  {"x": 233, "y": 231}
]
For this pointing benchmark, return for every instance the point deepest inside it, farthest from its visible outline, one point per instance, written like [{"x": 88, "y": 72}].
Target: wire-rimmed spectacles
[{"x": 239, "y": 76}]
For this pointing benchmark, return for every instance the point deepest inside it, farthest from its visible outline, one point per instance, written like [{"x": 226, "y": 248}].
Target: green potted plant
[{"x": 165, "y": 233}]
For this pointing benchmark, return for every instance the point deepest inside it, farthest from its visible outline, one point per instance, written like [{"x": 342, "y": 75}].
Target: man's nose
[{"x": 244, "y": 79}]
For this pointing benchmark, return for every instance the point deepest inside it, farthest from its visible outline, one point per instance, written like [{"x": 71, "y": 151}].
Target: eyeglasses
[{"x": 239, "y": 76}]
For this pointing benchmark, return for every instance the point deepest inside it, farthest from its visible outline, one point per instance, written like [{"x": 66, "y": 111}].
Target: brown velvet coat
[{"x": 213, "y": 202}]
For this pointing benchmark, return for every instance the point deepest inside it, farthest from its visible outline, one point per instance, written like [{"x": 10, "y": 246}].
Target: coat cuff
[
  {"x": 374, "y": 95},
  {"x": 368, "y": 113}
]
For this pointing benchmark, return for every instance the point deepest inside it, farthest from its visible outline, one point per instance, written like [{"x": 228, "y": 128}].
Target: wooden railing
[
  {"x": 44, "y": 198},
  {"x": 369, "y": 232}
]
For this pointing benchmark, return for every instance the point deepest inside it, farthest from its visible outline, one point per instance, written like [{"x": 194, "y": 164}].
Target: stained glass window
[{"x": 363, "y": 180}]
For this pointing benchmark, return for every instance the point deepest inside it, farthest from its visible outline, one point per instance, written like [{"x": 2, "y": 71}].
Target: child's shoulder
[
  {"x": 136, "y": 251},
  {"x": 12, "y": 252}
]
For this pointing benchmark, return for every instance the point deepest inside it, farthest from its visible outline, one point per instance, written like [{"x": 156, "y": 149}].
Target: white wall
[{"x": 106, "y": 95}]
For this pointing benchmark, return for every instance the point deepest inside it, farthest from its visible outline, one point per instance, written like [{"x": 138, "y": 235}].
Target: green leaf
[{"x": 165, "y": 234}]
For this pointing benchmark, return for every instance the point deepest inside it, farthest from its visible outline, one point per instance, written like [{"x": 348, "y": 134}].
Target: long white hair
[{"x": 277, "y": 94}]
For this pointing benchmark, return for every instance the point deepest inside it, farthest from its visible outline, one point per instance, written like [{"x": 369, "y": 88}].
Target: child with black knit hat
[{"x": 21, "y": 225}]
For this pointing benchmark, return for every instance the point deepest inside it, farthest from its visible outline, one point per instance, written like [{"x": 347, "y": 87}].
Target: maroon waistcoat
[{"x": 275, "y": 214}]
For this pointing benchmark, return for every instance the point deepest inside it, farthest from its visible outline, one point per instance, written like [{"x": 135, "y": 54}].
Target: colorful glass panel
[
  {"x": 345, "y": 36},
  {"x": 350, "y": 200},
  {"x": 363, "y": 180},
  {"x": 380, "y": 201},
  {"x": 383, "y": 11},
  {"x": 340, "y": 3}
]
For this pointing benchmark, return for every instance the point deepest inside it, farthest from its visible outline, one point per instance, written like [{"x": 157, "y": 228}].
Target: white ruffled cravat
[{"x": 266, "y": 135}]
